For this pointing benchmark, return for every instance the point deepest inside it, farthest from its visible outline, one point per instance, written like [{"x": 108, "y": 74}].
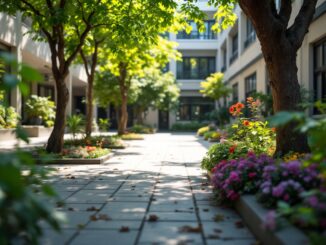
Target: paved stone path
[{"x": 153, "y": 192}]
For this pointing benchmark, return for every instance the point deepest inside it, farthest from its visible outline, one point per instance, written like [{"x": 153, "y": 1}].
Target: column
[
  {"x": 16, "y": 97},
  {"x": 241, "y": 32}
]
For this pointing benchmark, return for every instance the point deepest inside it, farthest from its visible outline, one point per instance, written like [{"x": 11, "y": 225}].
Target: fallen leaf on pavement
[
  {"x": 190, "y": 229},
  {"x": 153, "y": 218},
  {"x": 124, "y": 229}
]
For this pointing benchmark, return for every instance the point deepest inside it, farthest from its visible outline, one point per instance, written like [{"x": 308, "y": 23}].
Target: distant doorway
[{"x": 163, "y": 120}]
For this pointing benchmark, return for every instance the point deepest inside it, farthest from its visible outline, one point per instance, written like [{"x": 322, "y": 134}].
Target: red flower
[
  {"x": 232, "y": 109},
  {"x": 232, "y": 149},
  {"x": 273, "y": 129}
]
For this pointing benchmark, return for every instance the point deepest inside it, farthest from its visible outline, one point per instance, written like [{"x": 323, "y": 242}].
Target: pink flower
[{"x": 270, "y": 221}]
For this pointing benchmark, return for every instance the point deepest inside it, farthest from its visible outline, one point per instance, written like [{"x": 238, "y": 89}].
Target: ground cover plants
[{"x": 293, "y": 186}]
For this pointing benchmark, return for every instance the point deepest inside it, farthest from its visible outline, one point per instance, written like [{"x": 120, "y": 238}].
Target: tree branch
[
  {"x": 82, "y": 55},
  {"x": 301, "y": 24},
  {"x": 32, "y": 8},
  {"x": 285, "y": 12}
]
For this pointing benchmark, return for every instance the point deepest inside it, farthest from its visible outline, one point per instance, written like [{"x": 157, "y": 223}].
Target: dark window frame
[
  {"x": 250, "y": 84},
  {"x": 191, "y": 104},
  {"x": 235, "y": 92},
  {"x": 185, "y": 72},
  {"x": 250, "y": 34},
  {"x": 195, "y": 34},
  {"x": 319, "y": 71}
]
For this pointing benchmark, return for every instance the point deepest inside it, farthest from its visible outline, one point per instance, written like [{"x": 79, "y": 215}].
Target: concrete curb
[
  {"x": 99, "y": 160},
  {"x": 254, "y": 214}
]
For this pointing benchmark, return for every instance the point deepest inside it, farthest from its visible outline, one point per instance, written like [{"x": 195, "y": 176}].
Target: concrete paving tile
[
  {"x": 115, "y": 224},
  {"x": 226, "y": 230},
  {"x": 129, "y": 199},
  {"x": 101, "y": 186},
  {"x": 51, "y": 237},
  {"x": 169, "y": 233},
  {"x": 104, "y": 237},
  {"x": 178, "y": 215},
  {"x": 90, "y": 196}
]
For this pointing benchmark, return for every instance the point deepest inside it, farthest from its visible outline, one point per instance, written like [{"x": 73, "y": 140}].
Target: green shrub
[
  {"x": 132, "y": 136},
  {"x": 40, "y": 110},
  {"x": 187, "y": 126},
  {"x": 75, "y": 125},
  {"x": 104, "y": 124},
  {"x": 212, "y": 135},
  {"x": 142, "y": 129},
  {"x": 8, "y": 117},
  {"x": 223, "y": 151},
  {"x": 201, "y": 131}
]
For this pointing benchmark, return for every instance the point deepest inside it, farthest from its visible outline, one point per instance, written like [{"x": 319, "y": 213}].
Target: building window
[
  {"x": 223, "y": 68},
  {"x": 194, "y": 108},
  {"x": 46, "y": 91},
  {"x": 235, "y": 92},
  {"x": 250, "y": 85},
  {"x": 195, "y": 67},
  {"x": 251, "y": 34},
  {"x": 195, "y": 34},
  {"x": 319, "y": 85},
  {"x": 235, "y": 46}
]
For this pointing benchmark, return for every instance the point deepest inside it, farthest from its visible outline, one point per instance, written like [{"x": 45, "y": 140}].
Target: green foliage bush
[
  {"x": 201, "y": 131},
  {"x": 25, "y": 200},
  {"x": 75, "y": 125},
  {"x": 212, "y": 135},
  {"x": 187, "y": 126},
  {"x": 142, "y": 129},
  {"x": 22, "y": 198},
  {"x": 41, "y": 108},
  {"x": 104, "y": 124},
  {"x": 8, "y": 117}
]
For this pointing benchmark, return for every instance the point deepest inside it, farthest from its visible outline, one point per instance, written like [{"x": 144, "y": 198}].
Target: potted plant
[{"x": 40, "y": 111}]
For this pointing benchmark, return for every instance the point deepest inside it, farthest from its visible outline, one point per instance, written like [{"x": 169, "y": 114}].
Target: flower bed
[
  {"x": 111, "y": 142},
  {"x": 293, "y": 187},
  {"x": 76, "y": 155}
]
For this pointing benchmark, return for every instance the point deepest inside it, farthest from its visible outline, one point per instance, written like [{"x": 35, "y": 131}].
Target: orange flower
[
  {"x": 246, "y": 123},
  {"x": 273, "y": 129},
  {"x": 239, "y": 106},
  {"x": 250, "y": 99}
]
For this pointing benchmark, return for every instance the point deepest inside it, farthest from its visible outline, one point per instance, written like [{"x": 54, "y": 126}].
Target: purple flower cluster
[
  {"x": 234, "y": 177},
  {"x": 286, "y": 181}
]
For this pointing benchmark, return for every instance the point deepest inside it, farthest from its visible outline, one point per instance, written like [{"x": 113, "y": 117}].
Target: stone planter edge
[{"x": 253, "y": 215}]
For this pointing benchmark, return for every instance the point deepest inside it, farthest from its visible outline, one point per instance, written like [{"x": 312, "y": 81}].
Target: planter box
[
  {"x": 99, "y": 160},
  {"x": 7, "y": 134},
  {"x": 37, "y": 131},
  {"x": 254, "y": 214}
]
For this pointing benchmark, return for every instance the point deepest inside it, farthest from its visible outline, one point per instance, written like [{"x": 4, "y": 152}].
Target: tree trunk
[
  {"x": 123, "y": 118},
  {"x": 286, "y": 97},
  {"x": 280, "y": 43},
  {"x": 55, "y": 141},
  {"x": 89, "y": 107}
]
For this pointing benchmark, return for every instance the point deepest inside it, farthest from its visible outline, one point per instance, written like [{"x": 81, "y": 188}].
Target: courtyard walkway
[{"x": 154, "y": 192}]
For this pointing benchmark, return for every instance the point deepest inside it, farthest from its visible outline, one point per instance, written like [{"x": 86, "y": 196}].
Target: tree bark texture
[
  {"x": 123, "y": 116},
  {"x": 280, "y": 44}
]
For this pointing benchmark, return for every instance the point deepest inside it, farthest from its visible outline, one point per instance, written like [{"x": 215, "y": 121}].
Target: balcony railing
[
  {"x": 197, "y": 35},
  {"x": 250, "y": 39}
]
